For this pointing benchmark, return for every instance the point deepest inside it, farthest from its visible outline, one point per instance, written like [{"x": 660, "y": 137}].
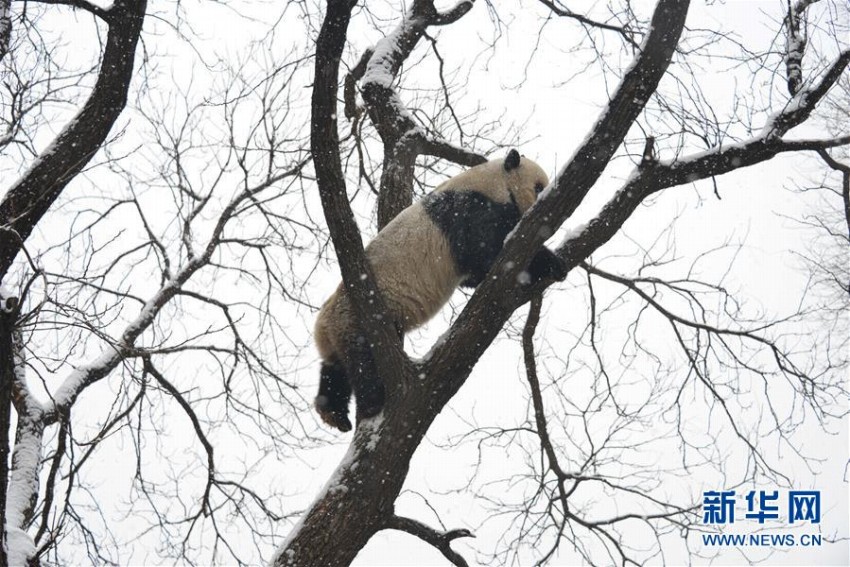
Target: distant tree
[
  {"x": 93, "y": 341},
  {"x": 28, "y": 199}
]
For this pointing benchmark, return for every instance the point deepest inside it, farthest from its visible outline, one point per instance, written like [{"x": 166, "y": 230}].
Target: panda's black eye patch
[{"x": 538, "y": 188}]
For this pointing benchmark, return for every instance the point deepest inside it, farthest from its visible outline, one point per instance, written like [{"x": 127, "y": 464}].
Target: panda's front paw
[{"x": 546, "y": 264}]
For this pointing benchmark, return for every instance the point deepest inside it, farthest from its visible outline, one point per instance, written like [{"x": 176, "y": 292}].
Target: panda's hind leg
[
  {"x": 368, "y": 388},
  {"x": 334, "y": 396}
]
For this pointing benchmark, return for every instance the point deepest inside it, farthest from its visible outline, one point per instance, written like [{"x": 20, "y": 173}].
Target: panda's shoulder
[{"x": 450, "y": 206}]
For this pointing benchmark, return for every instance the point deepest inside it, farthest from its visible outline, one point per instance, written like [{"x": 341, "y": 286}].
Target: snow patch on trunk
[
  {"x": 20, "y": 546},
  {"x": 366, "y": 438},
  {"x": 23, "y": 485}
]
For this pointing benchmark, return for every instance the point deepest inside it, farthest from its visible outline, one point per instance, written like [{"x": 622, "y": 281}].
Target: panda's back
[{"x": 413, "y": 265}]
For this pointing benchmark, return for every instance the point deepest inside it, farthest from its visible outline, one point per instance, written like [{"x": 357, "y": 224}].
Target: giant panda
[{"x": 449, "y": 238}]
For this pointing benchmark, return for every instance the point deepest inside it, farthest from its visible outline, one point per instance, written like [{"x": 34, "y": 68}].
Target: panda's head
[
  {"x": 525, "y": 180},
  {"x": 513, "y": 179}
]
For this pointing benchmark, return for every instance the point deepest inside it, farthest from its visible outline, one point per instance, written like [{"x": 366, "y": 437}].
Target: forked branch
[{"x": 440, "y": 540}]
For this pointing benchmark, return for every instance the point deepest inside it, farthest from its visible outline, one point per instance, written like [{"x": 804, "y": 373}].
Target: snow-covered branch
[
  {"x": 404, "y": 139},
  {"x": 22, "y": 492},
  {"x": 102, "y": 13},
  {"x": 795, "y": 43}
]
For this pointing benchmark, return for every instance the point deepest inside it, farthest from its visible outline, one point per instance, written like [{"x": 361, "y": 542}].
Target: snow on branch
[
  {"x": 389, "y": 54},
  {"x": 402, "y": 136},
  {"x": 800, "y": 107},
  {"x": 22, "y": 490},
  {"x": 102, "y": 13},
  {"x": 795, "y": 43}
]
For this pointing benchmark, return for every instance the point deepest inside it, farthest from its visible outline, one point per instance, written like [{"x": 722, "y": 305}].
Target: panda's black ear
[{"x": 512, "y": 161}]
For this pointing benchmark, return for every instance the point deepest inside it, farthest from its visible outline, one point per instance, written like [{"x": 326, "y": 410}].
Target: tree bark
[
  {"x": 5, "y": 27},
  {"x": 7, "y": 369}
]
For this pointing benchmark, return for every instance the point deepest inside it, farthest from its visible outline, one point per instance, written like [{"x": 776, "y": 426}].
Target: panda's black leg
[
  {"x": 368, "y": 388},
  {"x": 546, "y": 264},
  {"x": 334, "y": 396}
]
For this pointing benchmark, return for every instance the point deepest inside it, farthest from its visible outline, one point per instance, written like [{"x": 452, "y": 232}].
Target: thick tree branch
[
  {"x": 22, "y": 492},
  {"x": 800, "y": 107},
  {"x": 7, "y": 376},
  {"x": 352, "y": 111},
  {"x": 32, "y": 195},
  {"x": 403, "y": 139},
  {"x": 440, "y": 148},
  {"x": 359, "y": 282},
  {"x": 440, "y": 540},
  {"x": 795, "y": 43}
]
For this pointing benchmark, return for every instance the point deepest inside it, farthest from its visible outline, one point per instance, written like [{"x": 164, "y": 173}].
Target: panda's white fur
[{"x": 415, "y": 269}]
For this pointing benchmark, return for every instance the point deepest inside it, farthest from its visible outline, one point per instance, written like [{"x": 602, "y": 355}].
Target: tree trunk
[
  {"x": 358, "y": 500},
  {"x": 7, "y": 369}
]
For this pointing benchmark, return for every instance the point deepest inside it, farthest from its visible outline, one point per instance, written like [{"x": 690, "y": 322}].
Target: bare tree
[
  {"x": 368, "y": 481},
  {"x": 162, "y": 257},
  {"x": 123, "y": 254},
  {"x": 26, "y": 202}
]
